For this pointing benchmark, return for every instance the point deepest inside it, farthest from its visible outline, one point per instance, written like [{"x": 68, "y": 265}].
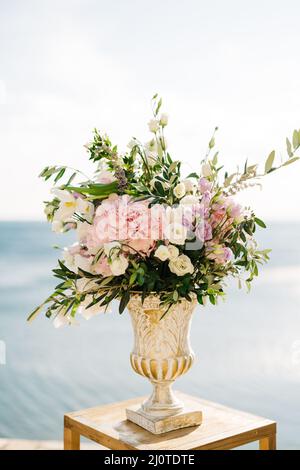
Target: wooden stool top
[{"x": 222, "y": 428}]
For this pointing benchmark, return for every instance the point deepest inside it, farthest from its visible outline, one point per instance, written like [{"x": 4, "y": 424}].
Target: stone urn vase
[{"x": 161, "y": 352}]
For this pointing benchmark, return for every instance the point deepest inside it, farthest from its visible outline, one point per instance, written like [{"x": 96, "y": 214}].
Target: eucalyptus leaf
[
  {"x": 291, "y": 160},
  {"x": 269, "y": 162},
  {"x": 296, "y": 140}
]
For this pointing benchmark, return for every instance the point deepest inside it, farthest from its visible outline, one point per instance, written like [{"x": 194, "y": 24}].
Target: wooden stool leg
[
  {"x": 71, "y": 439},
  {"x": 268, "y": 443}
]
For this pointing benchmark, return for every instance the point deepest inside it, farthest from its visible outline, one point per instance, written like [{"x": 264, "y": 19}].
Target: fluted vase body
[{"x": 162, "y": 350}]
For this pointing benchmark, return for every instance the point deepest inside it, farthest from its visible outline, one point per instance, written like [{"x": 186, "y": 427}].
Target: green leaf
[
  {"x": 71, "y": 178},
  {"x": 228, "y": 180},
  {"x": 260, "y": 222},
  {"x": 60, "y": 174},
  {"x": 172, "y": 167},
  {"x": 158, "y": 106},
  {"x": 124, "y": 301},
  {"x": 35, "y": 313},
  {"x": 296, "y": 140},
  {"x": 193, "y": 175},
  {"x": 289, "y": 148},
  {"x": 212, "y": 143},
  {"x": 96, "y": 190},
  {"x": 269, "y": 162},
  {"x": 215, "y": 159},
  {"x": 175, "y": 296},
  {"x": 291, "y": 160}
]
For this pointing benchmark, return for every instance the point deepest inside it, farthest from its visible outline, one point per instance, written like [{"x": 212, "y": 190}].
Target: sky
[{"x": 68, "y": 66}]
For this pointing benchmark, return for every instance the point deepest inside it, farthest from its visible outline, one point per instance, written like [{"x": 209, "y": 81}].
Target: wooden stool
[{"x": 222, "y": 429}]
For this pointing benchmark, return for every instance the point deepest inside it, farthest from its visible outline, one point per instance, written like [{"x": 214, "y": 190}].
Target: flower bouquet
[{"x": 155, "y": 240}]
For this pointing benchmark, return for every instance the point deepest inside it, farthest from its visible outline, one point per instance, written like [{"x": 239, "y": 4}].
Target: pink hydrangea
[{"x": 131, "y": 222}]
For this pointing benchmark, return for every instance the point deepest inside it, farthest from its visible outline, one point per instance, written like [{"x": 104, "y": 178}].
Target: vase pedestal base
[{"x": 161, "y": 424}]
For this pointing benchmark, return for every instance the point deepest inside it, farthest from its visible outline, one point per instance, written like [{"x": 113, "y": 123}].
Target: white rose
[
  {"x": 179, "y": 190},
  {"x": 181, "y": 265},
  {"x": 164, "y": 119},
  {"x": 189, "y": 185},
  {"x": 119, "y": 265},
  {"x": 153, "y": 125},
  {"x": 112, "y": 249},
  {"x": 206, "y": 170},
  {"x": 173, "y": 252},
  {"x": 176, "y": 234},
  {"x": 162, "y": 253}
]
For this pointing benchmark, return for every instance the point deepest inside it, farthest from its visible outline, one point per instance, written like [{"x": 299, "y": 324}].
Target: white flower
[
  {"x": 179, "y": 190},
  {"x": 90, "y": 312},
  {"x": 206, "y": 170},
  {"x": 69, "y": 205},
  {"x": 119, "y": 265},
  {"x": 162, "y": 253},
  {"x": 83, "y": 262},
  {"x": 57, "y": 226},
  {"x": 132, "y": 143},
  {"x": 153, "y": 125},
  {"x": 151, "y": 146},
  {"x": 181, "y": 265},
  {"x": 189, "y": 185},
  {"x": 176, "y": 233},
  {"x": 164, "y": 119},
  {"x": 151, "y": 152},
  {"x": 112, "y": 249},
  {"x": 86, "y": 208},
  {"x": 173, "y": 252}
]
